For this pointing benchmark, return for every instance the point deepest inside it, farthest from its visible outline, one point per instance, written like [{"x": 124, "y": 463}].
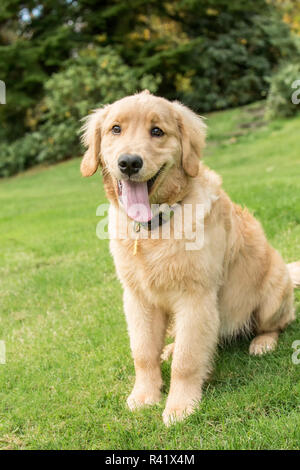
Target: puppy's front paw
[
  {"x": 173, "y": 414},
  {"x": 139, "y": 398}
]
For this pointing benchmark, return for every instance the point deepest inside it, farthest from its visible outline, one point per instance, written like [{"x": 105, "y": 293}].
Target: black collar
[{"x": 157, "y": 221}]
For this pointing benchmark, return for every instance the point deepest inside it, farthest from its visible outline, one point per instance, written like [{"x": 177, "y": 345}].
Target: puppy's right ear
[
  {"x": 91, "y": 138},
  {"x": 192, "y": 130}
]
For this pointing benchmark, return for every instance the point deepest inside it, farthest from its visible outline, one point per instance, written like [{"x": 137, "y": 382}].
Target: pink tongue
[{"x": 136, "y": 201}]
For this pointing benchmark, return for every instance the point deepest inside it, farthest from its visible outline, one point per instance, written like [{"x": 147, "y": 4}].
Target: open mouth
[
  {"x": 134, "y": 196},
  {"x": 152, "y": 180},
  {"x": 149, "y": 182}
]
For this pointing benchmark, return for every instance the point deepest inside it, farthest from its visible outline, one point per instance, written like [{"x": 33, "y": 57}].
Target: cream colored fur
[{"x": 235, "y": 282}]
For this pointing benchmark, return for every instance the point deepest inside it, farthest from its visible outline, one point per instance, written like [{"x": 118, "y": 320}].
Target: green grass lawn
[{"x": 68, "y": 367}]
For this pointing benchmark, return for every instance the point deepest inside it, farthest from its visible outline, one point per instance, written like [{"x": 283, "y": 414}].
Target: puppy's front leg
[
  {"x": 146, "y": 327},
  {"x": 196, "y": 335}
]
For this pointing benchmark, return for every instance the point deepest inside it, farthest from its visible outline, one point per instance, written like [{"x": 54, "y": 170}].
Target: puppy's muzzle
[{"x": 130, "y": 164}]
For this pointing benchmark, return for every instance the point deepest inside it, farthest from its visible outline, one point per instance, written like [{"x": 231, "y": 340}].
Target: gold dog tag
[{"x": 136, "y": 228}]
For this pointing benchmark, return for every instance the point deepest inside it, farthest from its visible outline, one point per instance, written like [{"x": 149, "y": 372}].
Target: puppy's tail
[{"x": 294, "y": 270}]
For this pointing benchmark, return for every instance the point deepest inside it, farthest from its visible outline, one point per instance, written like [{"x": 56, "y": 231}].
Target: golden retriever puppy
[{"x": 207, "y": 288}]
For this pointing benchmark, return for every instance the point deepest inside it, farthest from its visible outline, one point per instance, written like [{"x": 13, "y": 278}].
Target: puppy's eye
[
  {"x": 116, "y": 130},
  {"x": 156, "y": 132}
]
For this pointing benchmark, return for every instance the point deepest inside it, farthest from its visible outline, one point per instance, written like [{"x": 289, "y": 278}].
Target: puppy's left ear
[
  {"x": 193, "y": 132},
  {"x": 91, "y": 138}
]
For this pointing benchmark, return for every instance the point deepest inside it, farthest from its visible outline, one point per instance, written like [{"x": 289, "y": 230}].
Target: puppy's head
[{"x": 148, "y": 149}]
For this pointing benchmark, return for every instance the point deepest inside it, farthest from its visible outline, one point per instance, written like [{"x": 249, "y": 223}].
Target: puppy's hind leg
[
  {"x": 273, "y": 315},
  {"x": 167, "y": 352},
  {"x": 263, "y": 343}
]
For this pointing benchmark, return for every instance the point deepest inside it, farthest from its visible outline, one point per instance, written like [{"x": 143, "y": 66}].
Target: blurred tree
[
  {"x": 214, "y": 54},
  {"x": 290, "y": 10},
  {"x": 35, "y": 39},
  {"x": 211, "y": 54}
]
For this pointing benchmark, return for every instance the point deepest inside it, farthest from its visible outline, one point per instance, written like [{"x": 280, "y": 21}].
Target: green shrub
[
  {"x": 283, "y": 87},
  {"x": 20, "y": 154},
  {"x": 228, "y": 56},
  {"x": 95, "y": 77}
]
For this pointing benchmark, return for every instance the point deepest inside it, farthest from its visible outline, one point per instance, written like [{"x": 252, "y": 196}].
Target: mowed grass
[{"x": 68, "y": 367}]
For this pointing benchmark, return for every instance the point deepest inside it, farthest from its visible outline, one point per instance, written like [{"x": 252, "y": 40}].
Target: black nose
[{"x": 130, "y": 164}]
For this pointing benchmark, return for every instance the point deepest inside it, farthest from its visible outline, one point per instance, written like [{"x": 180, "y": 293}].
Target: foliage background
[
  {"x": 63, "y": 385},
  {"x": 61, "y": 58}
]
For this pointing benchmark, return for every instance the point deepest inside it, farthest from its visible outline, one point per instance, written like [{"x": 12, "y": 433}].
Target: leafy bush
[
  {"x": 279, "y": 102},
  {"x": 229, "y": 60},
  {"x": 20, "y": 154},
  {"x": 211, "y": 55},
  {"x": 96, "y": 77}
]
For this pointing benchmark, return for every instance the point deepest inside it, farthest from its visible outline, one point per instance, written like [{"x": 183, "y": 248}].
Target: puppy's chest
[{"x": 153, "y": 264}]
